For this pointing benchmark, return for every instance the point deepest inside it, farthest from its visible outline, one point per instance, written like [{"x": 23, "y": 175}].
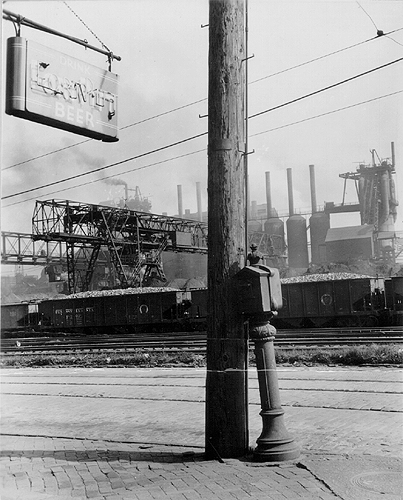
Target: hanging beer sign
[{"x": 49, "y": 87}]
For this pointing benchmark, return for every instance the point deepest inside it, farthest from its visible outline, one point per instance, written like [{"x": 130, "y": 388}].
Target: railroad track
[{"x": 193, "y": 341}]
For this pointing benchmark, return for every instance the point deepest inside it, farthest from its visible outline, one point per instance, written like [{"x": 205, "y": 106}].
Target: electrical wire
[
  {"x": 393, "y": 40},
  {"x": 373, "y": 22},
  {"x": 110, "y": 176},
  {"x": 205, "y": 99},
  {"x": 324, "y": 56},
  {"x": 45, "y": 154},
  {"x": 202, "y": 134},
  {"x": 106, "y": 166},
  {"x": 203, "y": 150},
  {"x": 327, "y": 88},
  {"x": 327, "y": 113},
  {"x": 122, "y": 128}
]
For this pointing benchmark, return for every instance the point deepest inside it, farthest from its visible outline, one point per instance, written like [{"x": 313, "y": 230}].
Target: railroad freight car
[
  {"x": 196, "y": 314},
  {"x": 18, "y": 317},
  {"x": 394, "y": 300},
  {"x": 329, "y": 300},
  {"x": 128, "y": 310}
]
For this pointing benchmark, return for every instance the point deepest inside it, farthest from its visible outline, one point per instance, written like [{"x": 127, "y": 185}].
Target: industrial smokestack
[
  {"x": 248, "y": 207},
  {"x": 269, "y": 205},
  {"x": 180, "y": 201},
  {"x": 290, "y": 193},
  {"x": 199, "y": 207},
  {"x": 296, "y": 233},
  {"x": 313, "y": 188},
  {"x": 253, "y": 212},
  {"x": 392, "y": 144},
  {"x": 118, "y": 182},
  {"x": 319, "y": 224}
]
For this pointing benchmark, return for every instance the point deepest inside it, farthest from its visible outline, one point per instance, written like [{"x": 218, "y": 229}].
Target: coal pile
[
  {"x": 324, "y": 277},
  {"x": 120, "y": 291}
]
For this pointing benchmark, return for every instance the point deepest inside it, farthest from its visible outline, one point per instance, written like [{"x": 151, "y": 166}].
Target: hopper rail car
[{"x": 359, "y": 302}]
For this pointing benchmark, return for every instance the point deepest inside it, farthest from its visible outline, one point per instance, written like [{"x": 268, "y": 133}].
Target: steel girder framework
[
  {"x": 130, "y": 236},
  {"x": 270, "y": 245},
  {"x": 376, "y": 192},
  {"x": 20, "y": 248}
]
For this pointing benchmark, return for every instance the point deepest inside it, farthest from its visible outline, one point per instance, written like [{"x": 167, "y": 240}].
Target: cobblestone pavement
[
  {"x": 66, "y": 468},
  {"x": 139, "y": 434}
]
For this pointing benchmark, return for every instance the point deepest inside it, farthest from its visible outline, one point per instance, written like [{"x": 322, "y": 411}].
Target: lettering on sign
[
  {"x": 77, "y": 92},
  {"x": 53, "y": 88}
]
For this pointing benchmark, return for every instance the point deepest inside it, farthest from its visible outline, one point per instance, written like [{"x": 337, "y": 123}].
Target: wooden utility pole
[{"x": 226, "y": 384}]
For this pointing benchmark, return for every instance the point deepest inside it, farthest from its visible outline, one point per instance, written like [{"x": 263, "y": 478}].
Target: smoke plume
[{"x": 115, "y": 182}]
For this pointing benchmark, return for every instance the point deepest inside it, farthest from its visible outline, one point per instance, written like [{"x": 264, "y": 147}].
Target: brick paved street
[{"x": 139, "y": 434}]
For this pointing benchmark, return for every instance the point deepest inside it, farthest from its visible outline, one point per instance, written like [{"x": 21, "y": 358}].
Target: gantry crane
[{"x": 133, "y": 239}]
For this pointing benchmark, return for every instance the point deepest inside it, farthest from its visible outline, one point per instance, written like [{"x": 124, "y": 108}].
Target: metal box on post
[{"x": 259, "y": 290}]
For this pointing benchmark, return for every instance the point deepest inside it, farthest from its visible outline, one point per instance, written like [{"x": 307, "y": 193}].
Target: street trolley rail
[{"x": 63, "y": 343}]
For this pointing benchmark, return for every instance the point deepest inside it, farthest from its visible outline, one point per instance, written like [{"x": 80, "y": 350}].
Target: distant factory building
[{"x": 344, "y": 244}]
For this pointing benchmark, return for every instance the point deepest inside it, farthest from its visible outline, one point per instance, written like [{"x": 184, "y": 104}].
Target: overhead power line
[
  {"x": 327, "y": 113},
  {"x": 393, "y": 40},
  {"x": 110, "y": 176},
  {"x": 205, "y": 99},
  {"x": 105, "y": 167},
  {"x": 327, "y": 88},
  {"x": 45, "y": 154},
  {"x": 373, "y": 22},
  {"x": 324, "y": 56},
  {"x": 202, "y": 150},
  {"x": 203, "y": 133},
  {"x": 88, "y": 140}
]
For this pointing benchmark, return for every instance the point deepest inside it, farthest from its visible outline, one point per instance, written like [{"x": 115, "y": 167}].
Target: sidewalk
[
  {"x": 47, "y": 468},
  {"x": 69, "y": 436}
]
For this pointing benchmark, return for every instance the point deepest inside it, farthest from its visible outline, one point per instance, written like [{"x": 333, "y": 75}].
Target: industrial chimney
[
  {"x": 296, "y": 233},
  {"x": 290, "y": 193},
  {"x": 199, "y": 205},
  {"x": 274, "y": 226},
  {"x": 319, "y": 223},
  {"x": 313, "y": 188},
  {"x": 180, "y": 201}
]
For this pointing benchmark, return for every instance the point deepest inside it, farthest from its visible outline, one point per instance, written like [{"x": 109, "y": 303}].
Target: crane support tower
[{"x": 133, "y": 239}]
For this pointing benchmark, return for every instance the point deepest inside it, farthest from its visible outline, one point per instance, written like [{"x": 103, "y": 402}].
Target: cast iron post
[{"x": 274, "y": 443}]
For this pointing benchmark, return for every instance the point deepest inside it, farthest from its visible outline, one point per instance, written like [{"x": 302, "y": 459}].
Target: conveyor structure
[{"x": 19, "y": 248}]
